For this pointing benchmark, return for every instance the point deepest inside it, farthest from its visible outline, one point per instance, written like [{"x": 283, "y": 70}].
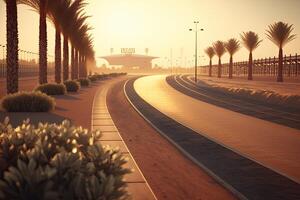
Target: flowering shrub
[{"x": 61, "y": 161}]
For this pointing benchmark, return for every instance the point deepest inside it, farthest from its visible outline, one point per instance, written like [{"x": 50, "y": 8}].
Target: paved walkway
[{"x": 101, "y": 119}]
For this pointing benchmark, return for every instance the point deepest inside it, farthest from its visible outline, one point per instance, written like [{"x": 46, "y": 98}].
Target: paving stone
[
  {"x": 100, "y": 112},
  {"x": 110, "y": 136},
  {"x": 100, "y": 116},
  {"x": 103, "y": 122},
  {"x": 115, "y": 144},
  {"x": 100, "y": 109},
  {"x": 105, "y": 128}
]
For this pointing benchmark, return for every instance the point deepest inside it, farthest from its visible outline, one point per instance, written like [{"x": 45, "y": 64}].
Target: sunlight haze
[{"x": 162, "y": 25}]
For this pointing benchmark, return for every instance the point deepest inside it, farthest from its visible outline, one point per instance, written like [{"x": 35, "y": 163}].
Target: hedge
[{"x": 27, "y": 102}]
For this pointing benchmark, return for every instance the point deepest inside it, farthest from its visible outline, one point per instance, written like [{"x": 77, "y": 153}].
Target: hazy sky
[{"x": 163, "y": 24}]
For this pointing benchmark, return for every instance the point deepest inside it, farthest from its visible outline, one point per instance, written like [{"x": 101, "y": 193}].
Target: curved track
[
  {"x": 273, "y": 113},
  {"x": 241, "y": 175}
]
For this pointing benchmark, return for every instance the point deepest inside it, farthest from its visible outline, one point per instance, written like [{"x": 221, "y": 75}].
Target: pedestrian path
[{"x": 138, "y": 187}]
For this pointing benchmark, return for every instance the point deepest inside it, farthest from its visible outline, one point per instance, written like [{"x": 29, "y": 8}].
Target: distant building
[{"x": 131, "y": 61}]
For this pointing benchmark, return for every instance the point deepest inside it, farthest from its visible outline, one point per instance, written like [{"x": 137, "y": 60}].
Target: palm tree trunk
[
  {"x": 219, "y": 68},
  {"x": 66, "y": 59},
  {"x": 84, "y": 67},
  {"x": 280, "y": 66},
  {"x": 72, "y": 63},
  {"x": 230, "y": 67},
  {"x": 76, "y": 64},
  {"x": 43, "y": 44},
  {"x": 80, "y": 70},
  {"x": 12, "y": 63},
  {"x": 250, "y": 65},
  {"x": 57, "y": 56},
  {"x": 210, "y": 67}
]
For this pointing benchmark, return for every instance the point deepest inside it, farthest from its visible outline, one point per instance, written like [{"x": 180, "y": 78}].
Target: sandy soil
[
  {"x": 76, "y": 107},
  {"x": 25, "y": 84},
  {"x": 169, "y": 173},
  {"x": 288, "y": 87}
]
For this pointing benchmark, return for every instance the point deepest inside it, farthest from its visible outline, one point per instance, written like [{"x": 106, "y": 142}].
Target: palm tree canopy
[
  {"x": 210, "y": 52},
  {"x": 280, "y": 33},
  {"x": 219, "y": 48},
  {"x": 250, "y": 40},
  {"x": 75, "y": 8},
  {"x": 232, "y": 46}
]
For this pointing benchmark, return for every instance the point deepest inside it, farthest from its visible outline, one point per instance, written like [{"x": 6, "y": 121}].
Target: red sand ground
[
  {"x": 170, "y": 174},
  {"x": 76, "y": 107},
  {"x": 25, "y": 84}
]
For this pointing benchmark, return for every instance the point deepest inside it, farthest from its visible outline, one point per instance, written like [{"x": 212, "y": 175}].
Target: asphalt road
[
  {"x": 245, "y": 177},
  {"x": 273, "y": 145}
]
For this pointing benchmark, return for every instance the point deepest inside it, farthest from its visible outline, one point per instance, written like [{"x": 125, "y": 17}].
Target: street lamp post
[{"x": 196, "y": 46}]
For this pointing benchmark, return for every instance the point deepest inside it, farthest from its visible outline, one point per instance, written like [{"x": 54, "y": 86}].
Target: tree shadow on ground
[
  {"x": 68, "y": 97},
  {"x": 60, "y": 108},
  {"x": 34, "y": 117}
]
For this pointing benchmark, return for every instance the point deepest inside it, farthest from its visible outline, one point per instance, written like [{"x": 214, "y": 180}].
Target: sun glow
[{"x": 162, "y": 25}]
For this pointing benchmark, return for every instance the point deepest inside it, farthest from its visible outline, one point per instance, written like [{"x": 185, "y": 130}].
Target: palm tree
[
  {"x": 72, "y": 62},
  {"x": 73, "y": 10},
  {"x": 232, "y": 46},
  {"x": 81, "y": 43},
  {"x": 80, "y": 27},
  {"x": 88, "y": 53},
  {"x": 56, "y": 14},
  {"x": 251, "y": 42},
  {"x": 12, "y": 47},
  {"x": 43, "y": 42},
  {"x": 210, "y": 53},
  {"x": 219, "y": 49},
  {"x": 280, "y": 34},
  {"x": 41, "y": 6}
]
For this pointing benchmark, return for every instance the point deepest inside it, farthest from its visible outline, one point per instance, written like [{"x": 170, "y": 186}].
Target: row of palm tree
[
  {"x": 279, "y": 33},
  {"x": 69, "y": 21}
]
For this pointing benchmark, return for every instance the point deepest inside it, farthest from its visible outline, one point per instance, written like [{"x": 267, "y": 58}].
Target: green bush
[
  {"x": 93, "y": 78},
  {"x": 117, "y": 74},
  {"x": 61, "y": 161},
  {"x": 84, "y": 82},
  {"x": 72, "y": 86},
  {"x": 101, "y": 76},
  {"x": 27, "y": 102},
  {"x": 52, "y": 89}
]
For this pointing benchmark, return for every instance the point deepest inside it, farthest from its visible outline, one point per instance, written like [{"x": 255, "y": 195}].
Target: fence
[
  {"x": 28, "y": 65},
  {"x": 261, "y": 67}
]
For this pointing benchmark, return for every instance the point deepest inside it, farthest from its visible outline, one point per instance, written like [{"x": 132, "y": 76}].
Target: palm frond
[
  {"x": 219, "y": 48},
  {"x": 250, "y": 40},
  {"x": 210, "y": 52},
  {"x": 232, "y": 46},
  {"x": 280, "y": 33}
]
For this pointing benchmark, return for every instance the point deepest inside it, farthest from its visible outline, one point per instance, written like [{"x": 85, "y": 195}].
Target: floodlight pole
[{"x": 196, "y": 47}]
